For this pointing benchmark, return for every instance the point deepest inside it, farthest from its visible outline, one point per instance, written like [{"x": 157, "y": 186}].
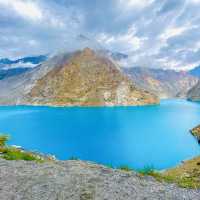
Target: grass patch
[
  {"x": 3, "y": 140},
  {"x": 125, "y": 168},
  {"x": 12, "y": 153},
  {"x": 73, "y": 158},
  {"x": 110, "y": 166},
  {"x": 185, "y": 175},
  {"x": 147, "y": 170}
]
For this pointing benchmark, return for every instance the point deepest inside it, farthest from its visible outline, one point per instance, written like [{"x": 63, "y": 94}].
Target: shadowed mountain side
[{"x": 194, "y": 93}]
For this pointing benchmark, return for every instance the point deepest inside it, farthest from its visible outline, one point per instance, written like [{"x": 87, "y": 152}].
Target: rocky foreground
[{"x": 78, "y": 180}]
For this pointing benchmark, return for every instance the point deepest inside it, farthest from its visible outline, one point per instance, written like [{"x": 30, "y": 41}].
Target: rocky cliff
[
  {"x": 77, "y": 180},
  {"x": 163, "y": 83},
  {"x": 196, "y": 133},
  {"x": 194, "y": 93}
]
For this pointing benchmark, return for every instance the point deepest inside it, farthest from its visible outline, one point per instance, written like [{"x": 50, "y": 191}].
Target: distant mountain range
[
  {"x": 6, "y": 73},
  {"x": 65, "y": 80},
  {"x": 83, "y": 77},
  {"x": 195, "y": 71},
  {"x": 10, "y": 68},
  {"x": 163, "y": 83},
  {"x": 25, "y": 62}
]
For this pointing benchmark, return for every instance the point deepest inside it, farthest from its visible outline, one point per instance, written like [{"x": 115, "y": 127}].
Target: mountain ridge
[
  {"x": 163, "y": 83},
  {"x": 96, "y": 80},
  {"x": 29, "y": 61}
]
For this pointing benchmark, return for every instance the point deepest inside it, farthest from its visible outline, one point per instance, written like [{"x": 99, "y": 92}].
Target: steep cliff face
[
  {"x": 163, "y": 83},
  {"x": 194, "y": 93},
  {"x": 87, "y": 78}
]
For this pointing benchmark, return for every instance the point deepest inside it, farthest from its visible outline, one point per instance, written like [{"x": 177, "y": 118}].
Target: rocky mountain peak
[
  {"x": 88, "y": 52},
  {"x": 88, "y": 78}
]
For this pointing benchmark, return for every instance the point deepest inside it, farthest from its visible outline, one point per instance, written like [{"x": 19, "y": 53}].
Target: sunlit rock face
[
  {"x": 163, "y": 83},
  {"x": 87, "y": 78}
]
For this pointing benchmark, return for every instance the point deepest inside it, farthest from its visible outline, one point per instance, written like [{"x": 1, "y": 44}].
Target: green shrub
[
  {"x": 3, "y": 140},
  {"x": 16, "y": 154},
  {"x": 73, "y": 158},
  {"x": 125, "y": 168},
  {"x": 147, "y": 170},
  {"x": 110, "y": 166}
]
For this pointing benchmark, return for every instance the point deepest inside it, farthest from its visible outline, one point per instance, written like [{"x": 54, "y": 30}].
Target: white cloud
[
  {"x": 129, "y": 4},
  {"x": 172, "y": 31},
  {"x": 123, "y": 42},
  {"x": 26, "y": 9},
  {"x": 152, "y": 32},
  {"x": 194, "y": 1}
]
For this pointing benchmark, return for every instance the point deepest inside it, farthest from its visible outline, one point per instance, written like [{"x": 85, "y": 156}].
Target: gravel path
[{"x": 77, "y": 180}]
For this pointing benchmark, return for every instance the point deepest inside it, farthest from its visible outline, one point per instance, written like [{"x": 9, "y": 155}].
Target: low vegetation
[
  {"x": 147, "y": 170},
  {"x": 13, "y": 153},
  {"x": 73, "y": 158},
  {"x": 3, "y": 140},
  {"x": 187, "y": 174},
  {"x": 125, "y": 168}
]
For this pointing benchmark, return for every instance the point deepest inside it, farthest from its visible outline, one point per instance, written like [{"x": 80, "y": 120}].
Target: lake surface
[{"x": 155, "y": 136}]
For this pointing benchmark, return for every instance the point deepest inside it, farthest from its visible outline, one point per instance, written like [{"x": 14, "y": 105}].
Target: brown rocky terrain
[
  {"x": 163, "y": 83},
  {"x": 87, "y": 78},
  {"x": 196, "y": 132}
]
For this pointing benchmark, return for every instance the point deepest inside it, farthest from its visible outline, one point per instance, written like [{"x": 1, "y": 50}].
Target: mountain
[
  {"x": 6, "y": 73},
  {"x": 88, "y": 78},
  {"x": 116, "y": 56},
  {"x": 80, "y": 78},
  {"x": 10, "y": 68},
  {"x": 163, "y": 83},
  {"x": 195, "y": 71},
  {"x": 194, "y": 93},
  {"x": 84, "y": 41},
  {"x": 25, "y": 62}
]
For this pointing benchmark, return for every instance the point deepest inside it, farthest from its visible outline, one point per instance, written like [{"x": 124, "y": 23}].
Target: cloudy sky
[{"x": 154, "y": 33}]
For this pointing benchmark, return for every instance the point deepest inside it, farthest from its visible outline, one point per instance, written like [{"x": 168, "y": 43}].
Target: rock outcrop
[
  {"x": 77, "y": 180},
  {"x": 196, "y": 133},
  {"x": 163, "y": 83}
]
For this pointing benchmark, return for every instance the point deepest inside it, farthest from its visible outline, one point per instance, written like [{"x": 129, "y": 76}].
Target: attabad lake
[{"x": 138, "y": 136}]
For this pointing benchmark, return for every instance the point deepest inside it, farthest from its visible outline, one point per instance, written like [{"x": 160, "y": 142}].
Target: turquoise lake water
[{"x": 155, "y": 136}]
